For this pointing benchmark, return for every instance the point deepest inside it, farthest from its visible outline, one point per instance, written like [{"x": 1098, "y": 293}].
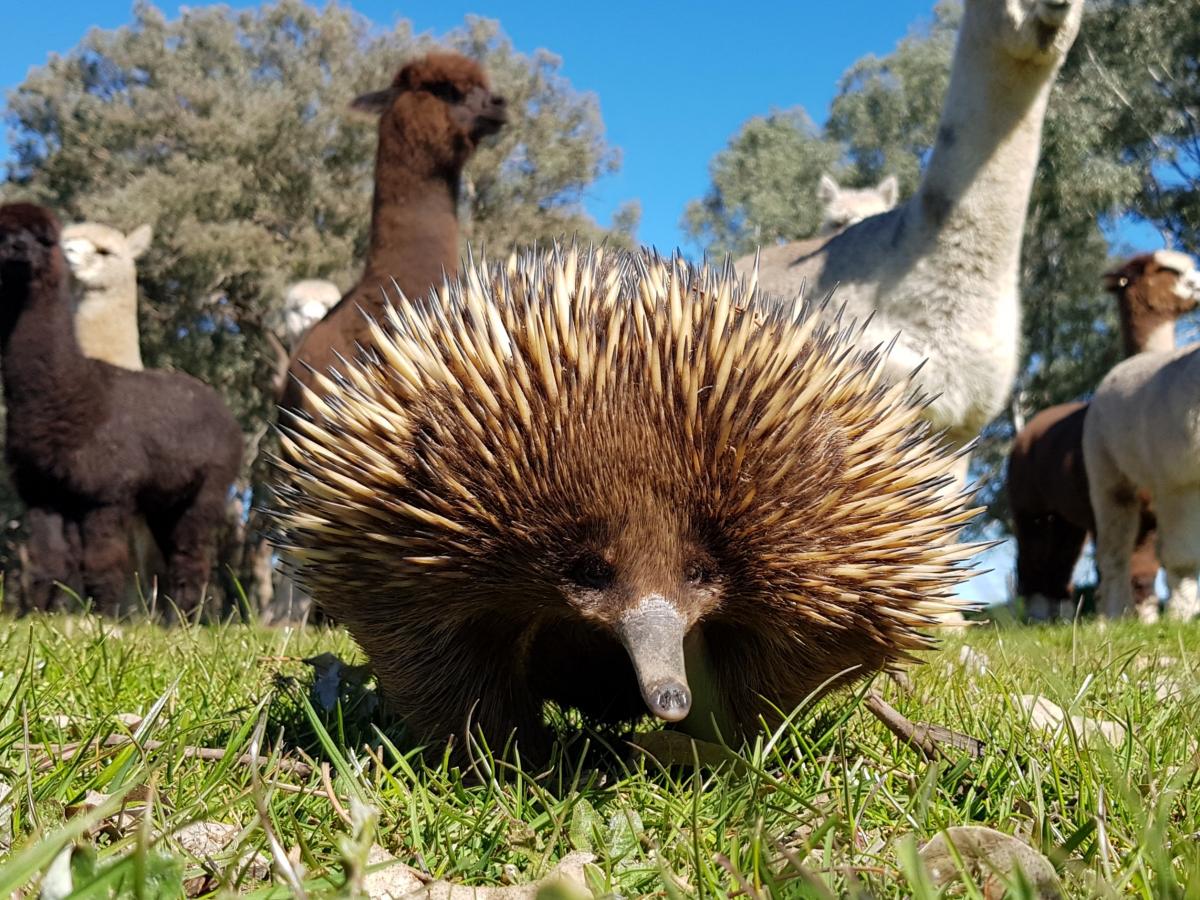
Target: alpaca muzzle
[
  {"x": 1188, "y": 285},
  {"x": 17, "y": 247},
  {"x": 653, "y": 633},
  {"x": 1054, "y": 12}
]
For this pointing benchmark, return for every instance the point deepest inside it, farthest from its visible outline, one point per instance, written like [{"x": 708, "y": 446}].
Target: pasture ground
[{"x": 830, "y": 805}]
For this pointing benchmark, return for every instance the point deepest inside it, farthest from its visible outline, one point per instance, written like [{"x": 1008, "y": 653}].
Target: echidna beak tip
[{"x": 670, "y": 702}]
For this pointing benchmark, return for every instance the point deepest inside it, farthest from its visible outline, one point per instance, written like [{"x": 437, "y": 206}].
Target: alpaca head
[
  {"x": 306, "y": 302},
  {"x": 102, "y": 257},
  {"x": 1030, "y": 31},
  {"x": 28, "y": 245},
  {"x": 439, "y": 105},
  {"x": 1163, "y": 283},
  {"x": 844, "y": 206}
]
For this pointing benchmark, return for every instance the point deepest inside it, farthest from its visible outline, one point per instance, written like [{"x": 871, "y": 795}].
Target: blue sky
[{"x": 674, "y": 80}]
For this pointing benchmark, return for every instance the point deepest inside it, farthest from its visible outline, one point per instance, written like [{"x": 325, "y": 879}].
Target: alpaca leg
[
  {"x": 1033, "y": 538},
  {"x": 104, "y": 533},
  {"x": 1185, "y": 596},
  {"x": 1115, "y": 507},
  {"x": 1179, "y": 549},
  {"x": 50, "y": 561},
  {"x": 189, "y": 548},
  {"x": 1144, "y": 568},
  {"x": 1116, "y": 511},
  {"x": 1047, "y": 549},
  {"x": 1066, "y": 544}
]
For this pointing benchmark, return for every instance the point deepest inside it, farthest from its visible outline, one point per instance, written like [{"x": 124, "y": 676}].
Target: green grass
[{"x": 830, "y": 805}]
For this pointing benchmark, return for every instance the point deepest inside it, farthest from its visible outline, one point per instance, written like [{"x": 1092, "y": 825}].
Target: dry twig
[{"x": 211, "y": 754}]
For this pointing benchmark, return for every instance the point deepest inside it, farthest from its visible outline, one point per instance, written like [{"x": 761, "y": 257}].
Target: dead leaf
[
  {"x": 215, "y": 843},
  {"x": 120, "y": 823},
  {"x": 974, "y": 661},
  {"x": 58, "y": 883},
  {"x": 129, "y": 720},
  {"x": 1048, "y": 715},
  {"x": 1167, "y": 689},
  {"x": 393, "y": 879},
  {"x": 991, "y": 859},
  {"x": 401, "y": 882}
]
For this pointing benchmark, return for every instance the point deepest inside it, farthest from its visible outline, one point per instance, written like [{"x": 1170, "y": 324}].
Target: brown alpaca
[
  {"x": 432, "y": 118},
  {"x": 1047, "y": 481},
  {"x": 96, "y": 443}
]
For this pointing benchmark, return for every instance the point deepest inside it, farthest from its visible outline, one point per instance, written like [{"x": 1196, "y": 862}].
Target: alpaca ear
[
  {"x": 889, "y": 190},
  {"x": 827, "y": 189},
  {"x": 1115, "y": 280},
  {"x": 376, "y": 102},
  {"x": 139, "y": 239}
]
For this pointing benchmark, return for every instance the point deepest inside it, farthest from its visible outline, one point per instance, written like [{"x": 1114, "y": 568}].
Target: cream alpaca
[
  {"x": 1142, "y": 430},
  {"x": 103, "y": 262},
  {"x": 941, "y": 269},
  {"x": 845, "y": 206},
  {"x": 305, "y": 303}
]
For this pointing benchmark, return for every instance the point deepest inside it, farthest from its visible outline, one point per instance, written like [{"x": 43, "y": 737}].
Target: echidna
[{"x": 584, "y": 457}]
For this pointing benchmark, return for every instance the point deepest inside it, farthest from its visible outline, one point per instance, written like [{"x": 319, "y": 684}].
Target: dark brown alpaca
[
  {"x": 1047, "y": 482},
  {"x": 92, "y": 443},
  {"x": 432, "y": 118}
]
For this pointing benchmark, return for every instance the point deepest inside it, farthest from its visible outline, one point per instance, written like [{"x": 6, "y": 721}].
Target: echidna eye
[
  {"x": 591, "y": 571},
  {"x": 698, "y": 572}
]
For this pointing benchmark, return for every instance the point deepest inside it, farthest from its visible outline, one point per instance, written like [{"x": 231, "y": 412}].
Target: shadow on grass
[{"x": 334, "y": 711}]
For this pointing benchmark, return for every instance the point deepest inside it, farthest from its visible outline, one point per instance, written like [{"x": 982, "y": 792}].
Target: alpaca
[
  {"x": 104, "y": 263},
  {"x": 843, "y": 207},
  {"x": 941, "y": 269},
  {"x": 1047, "y": 481},
  {"x": 433, "y": 116},
  {"x": 96, "y": 443},
  {"x": 305, "y": 303},
  {"x": 1142, "y": 431}
]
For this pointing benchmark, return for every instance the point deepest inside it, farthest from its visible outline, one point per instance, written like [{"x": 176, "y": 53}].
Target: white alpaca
[
  {"x": 843, "y": 207},
  {"x": 305, "y": 303},
  {"x": 942, "y": 268},
  {"x": 103, "y": 262},
  {"x": 1142, "y": 430}
]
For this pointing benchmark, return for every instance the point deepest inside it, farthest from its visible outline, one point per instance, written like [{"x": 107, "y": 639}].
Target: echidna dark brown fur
[{"x": 594, "y": 478}]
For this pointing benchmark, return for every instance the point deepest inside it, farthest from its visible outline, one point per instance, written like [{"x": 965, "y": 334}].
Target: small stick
[
  {"x": 333, "y": 798},
  {"x": 927, "y": 739},
  {"x": 211, "y": 754}
]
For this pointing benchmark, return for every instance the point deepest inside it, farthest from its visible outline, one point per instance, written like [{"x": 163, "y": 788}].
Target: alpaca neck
[
  {"x": 44, "y": 369},
  {"x": 1144, "y": 331},
  {"x": 414, "y": 222},
  {"x": 106, "y": 323},
  {"x": 980, "y": 175}
]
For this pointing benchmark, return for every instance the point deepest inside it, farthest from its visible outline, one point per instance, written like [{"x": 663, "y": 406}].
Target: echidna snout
[{"x": 653, "y": 633}]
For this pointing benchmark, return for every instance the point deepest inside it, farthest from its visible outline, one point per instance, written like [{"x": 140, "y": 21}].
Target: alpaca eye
[
  {"x": 104, "y": 251},
  {"x": 591, "y": 571},
  {"x": 444, "y": 90}
]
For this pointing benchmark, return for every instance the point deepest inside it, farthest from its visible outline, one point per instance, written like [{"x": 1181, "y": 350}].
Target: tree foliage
[
  {"x": 1121, "y": 143},
  {"x": 231, "y": 133}
]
